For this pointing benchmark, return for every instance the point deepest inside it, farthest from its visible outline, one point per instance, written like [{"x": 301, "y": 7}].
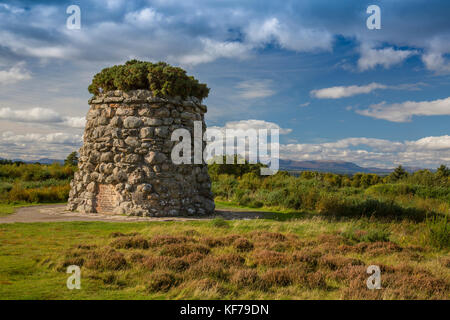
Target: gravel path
[{"x": 57, "y": 213}]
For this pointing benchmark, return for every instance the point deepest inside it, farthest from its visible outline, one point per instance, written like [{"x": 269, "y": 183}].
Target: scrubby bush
[
  {"x": 36, "y": 172},
  {"x": 314, "y": 192},
  {"x": 36, "y": 195},
  {"x": 160, "y": 78},
  {"x": 437, "y": 232}
]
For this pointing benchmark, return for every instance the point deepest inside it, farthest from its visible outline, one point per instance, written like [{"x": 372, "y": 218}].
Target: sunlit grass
[{"x": 32, "y": 256}]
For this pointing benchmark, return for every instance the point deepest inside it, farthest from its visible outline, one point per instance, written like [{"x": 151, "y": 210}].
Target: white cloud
[
  {"x": 291, "y": 37},
  {"x": 143, "y": 18},
  {"x": 430, "y": 143},
  {"x": 253, "y": 124},
  {"x": 41, "y": 115},
  {"x": 35, "y": 48},
  {"x": 370, "y": 152},
  {"x": 74, "y": 122},
  {"x": 387, "y": 57},
  {"x": 211, "y": 50},
  {"x": 434, "y": 59},
  {"x": 50, "y": 138},
  {"x": 403, "y": 112},
  {"x": 34, "y": 146},
  {"x": 254, "y": 89},
  {"x": 247, "y": 135},
  {"x": 11, "y": 9},
  {"x": 14, "y": 74},
  {"x": 343, "y": 92}
]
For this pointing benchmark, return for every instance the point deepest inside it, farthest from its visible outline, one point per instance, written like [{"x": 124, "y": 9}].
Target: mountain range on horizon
[
  {"x": 333, "y": 166},
  {"x": 343, "y": 167}
]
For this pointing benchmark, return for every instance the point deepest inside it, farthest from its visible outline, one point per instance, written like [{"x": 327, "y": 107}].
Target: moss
[{"x": 160, "y": 78}]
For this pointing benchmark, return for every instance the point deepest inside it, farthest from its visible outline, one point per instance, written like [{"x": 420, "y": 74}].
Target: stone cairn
[{"x": 125, "y": 164}]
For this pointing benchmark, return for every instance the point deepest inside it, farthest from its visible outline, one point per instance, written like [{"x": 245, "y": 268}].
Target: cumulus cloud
[
  {"x": 291, "y": 37},
  {"x": 146, "y": 17},
  {"x": 33, "y": 146},
  {"x": 250, "y": 139},
  {"x": 14, "y": 74},
  {"x": 179, "y": 33},
  {"x": 370, "y": 152},
  {"x": 254, "y": 89},
  {"x": 253, "y": 124},
  {"x": 338, "y": 92},
  {"x": 431, "y": 143},
  {"x": 344, "y": 92},
  {"x": 403, "y": 112},
  {"x": 210, "y": 50},
  {"x": 41, "y": 115},
  {"x": 51, "y": 138},
  {"x": 434, "y": 57},
  {"x": 435, "y": 61},
  {"x": 386, "y": 57}
]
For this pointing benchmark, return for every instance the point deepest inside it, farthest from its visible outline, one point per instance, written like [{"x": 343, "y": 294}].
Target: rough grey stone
[
  {"x": 132, "y": 122},
  {"x": 125, "y": 158}
]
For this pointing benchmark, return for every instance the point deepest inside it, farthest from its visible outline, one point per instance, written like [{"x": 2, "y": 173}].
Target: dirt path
[{"x": 57, "y": 213}]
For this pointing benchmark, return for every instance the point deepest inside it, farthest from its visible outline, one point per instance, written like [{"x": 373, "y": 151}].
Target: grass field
[
  {"x": 319, "y": 234},
  {"x": 288, "y": 256}
]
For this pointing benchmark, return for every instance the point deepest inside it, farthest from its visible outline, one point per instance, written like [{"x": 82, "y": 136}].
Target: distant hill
[
  {"x": 46, "y": 161},
  {"x": 342, "y": 167},
  {"x": 41, "y": 161}
]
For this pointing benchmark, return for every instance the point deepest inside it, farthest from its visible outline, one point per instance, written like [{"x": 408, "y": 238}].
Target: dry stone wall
[{"x": 125, "y": 164}]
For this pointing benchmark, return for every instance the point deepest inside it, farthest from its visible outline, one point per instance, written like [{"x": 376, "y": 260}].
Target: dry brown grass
[
  {"x": 334, "y": 262},
  {"x": 208, "y": 268},
  {"x": 161, "y": 281},
  {"x": 120, "y": 234},
  {"x": 246, "y": 278},
  {"x": 183, "y": 249},
  {"x": 162, "y": 262},
  {"x": 194, "y": 257},
  {"x": 264, "y": 236},
  {"x": 277, "y": 277},
  {"x": 135, "y": 242},
  {"x": 230, "y": 259},
  {"x": 446, "y": 262},
  {"x": 213, "y": 242},
  {"x": 398, "y": 282},
  {"x": 107, "y": 259},
  {"x": 243, "y": 245},
  {"x": 270, "y": 258},
  {"x": 226, "y": 265},
  {"x": 163, "y": 240}
]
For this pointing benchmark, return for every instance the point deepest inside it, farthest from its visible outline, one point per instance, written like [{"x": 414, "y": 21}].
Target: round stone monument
[{"x": 125, "y": 164}]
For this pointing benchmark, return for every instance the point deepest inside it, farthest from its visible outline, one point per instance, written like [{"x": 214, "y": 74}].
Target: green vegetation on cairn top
[{"x": 160, "y": 78}]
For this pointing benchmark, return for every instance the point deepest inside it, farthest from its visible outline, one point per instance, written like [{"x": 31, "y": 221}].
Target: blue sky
[{"x": 338, "y": 90}]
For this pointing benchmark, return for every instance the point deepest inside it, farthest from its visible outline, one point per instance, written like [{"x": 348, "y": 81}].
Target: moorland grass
[{"x": 308, "y": 258}]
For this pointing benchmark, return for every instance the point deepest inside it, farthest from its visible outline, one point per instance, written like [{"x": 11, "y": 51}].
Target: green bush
[
  {"x": 36, "y": 195},
  {"x": 437, "y": 233},
  {"x": 423, "y": 191},
  {"x": 36, "y": 172},
  {"x": 160, "y": 78}
]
